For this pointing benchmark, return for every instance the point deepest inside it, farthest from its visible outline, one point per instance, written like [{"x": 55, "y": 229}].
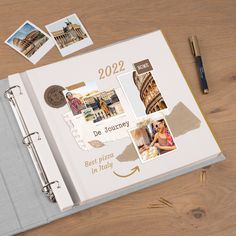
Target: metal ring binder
[
  {"x": 27, "y": 137},
  {"x": 49, "y": 192},
  {"x": 47, "y": 189},
  {"x": 9, "y": 91},
  {"x": 8, "y": 94}
]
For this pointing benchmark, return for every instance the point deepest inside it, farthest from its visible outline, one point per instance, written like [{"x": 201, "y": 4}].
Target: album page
[{"x": 119, "y": 115}]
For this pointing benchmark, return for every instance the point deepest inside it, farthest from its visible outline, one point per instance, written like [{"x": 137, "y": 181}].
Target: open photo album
[{"x": 110, "y": 122}]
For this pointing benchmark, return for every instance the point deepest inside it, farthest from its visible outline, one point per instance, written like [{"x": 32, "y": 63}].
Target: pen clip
[{"x": 194, "y": 46}]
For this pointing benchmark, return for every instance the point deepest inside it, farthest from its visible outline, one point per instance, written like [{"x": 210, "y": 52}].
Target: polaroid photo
[
  {"x": 30, "y": 41},
  {"x": 143, "y": 93},
  {"x": 152, "y": 139},
  {"x": 69, "y": 34}
]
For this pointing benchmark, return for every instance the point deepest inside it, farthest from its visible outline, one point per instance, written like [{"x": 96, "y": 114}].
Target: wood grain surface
[{"x": 196, "y": 208}]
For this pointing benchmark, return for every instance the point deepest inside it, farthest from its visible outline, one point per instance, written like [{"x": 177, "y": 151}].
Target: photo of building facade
[
  {"x": 28, "y": 40},
  {"x": 149, "y": 92},
  {"x": 69, "y": 34},
  {"x": 104, "y": 104}
]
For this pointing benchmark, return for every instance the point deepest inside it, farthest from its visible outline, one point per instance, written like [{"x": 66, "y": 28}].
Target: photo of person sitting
[
  {"x": 152, "y": 139},
  {"x": 76, "y": 105},
  {"x": 163, "y": 140}
]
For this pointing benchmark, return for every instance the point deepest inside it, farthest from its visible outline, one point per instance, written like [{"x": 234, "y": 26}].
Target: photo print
[
  {"x": 93, "y": 104},
  {"x": 75, "y": 95},
  {"x": 105, "y": 104},
  {"x": 142, "y": 92},
  {"x": 30, "y": 41},
  {"x": 152, "y": 139},
  {"x": 88, "y": 114},
  {"x": 69, "y": 34}
]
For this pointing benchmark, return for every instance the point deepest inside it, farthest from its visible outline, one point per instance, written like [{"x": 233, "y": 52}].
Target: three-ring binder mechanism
[{"x": 28, "y": 141}]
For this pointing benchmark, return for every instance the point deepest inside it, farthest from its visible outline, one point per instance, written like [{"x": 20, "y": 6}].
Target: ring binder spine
[{"x": 28, "y": 141}]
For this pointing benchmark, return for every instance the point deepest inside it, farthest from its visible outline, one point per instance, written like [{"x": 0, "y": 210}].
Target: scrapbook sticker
[
  {"x": 75, "y": 131},
  {"x": 69, "y": 34},
  {"x": 53, "y": 96},
  {"x": 30, "y": 41}
]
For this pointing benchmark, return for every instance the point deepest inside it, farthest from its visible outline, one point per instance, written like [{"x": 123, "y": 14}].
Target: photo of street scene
[
  {"x": 93, "y": 104},
  {"x": 104, "y": 104}
]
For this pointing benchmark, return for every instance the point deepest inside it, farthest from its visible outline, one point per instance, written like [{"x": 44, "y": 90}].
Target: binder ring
[
  {"x": 29, "y": 135},
  {"x": 9, "y": 91},
  {"x": 45, "y": 187}
]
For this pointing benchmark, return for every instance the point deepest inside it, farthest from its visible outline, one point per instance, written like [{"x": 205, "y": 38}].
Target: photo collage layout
[{"x": 140, "y": 92}]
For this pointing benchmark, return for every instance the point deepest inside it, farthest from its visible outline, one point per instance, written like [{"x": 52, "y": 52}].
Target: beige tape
[
  {"x": 75, "y": 86},
  {"x": 181, "y": 120}
]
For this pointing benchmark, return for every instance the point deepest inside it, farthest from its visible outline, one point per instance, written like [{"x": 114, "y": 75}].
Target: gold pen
[{"x": 196, "y": 53}]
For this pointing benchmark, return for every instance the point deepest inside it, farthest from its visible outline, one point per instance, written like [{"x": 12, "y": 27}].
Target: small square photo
[
  {"x": 142, "y": 92},
  {"x": 152, "y": 139},
  {"x": 69, "y": 34},
  {"x": 30, "y": 41},
  {"x": 88, "y": 114},
  {"x": 105, "y": 104},
  {"x": 75, "y": 97}
]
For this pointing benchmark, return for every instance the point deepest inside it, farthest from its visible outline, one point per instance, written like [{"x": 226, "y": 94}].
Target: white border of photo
[
  {"x": 162, "y": 112},
  {"x": 41, "y": 51},
  {"x": 157, "y": 118},
  {"x": 75, "y": 46}
]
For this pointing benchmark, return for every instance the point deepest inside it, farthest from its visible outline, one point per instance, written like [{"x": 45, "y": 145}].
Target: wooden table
[{"x": 198, "y": 209}]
